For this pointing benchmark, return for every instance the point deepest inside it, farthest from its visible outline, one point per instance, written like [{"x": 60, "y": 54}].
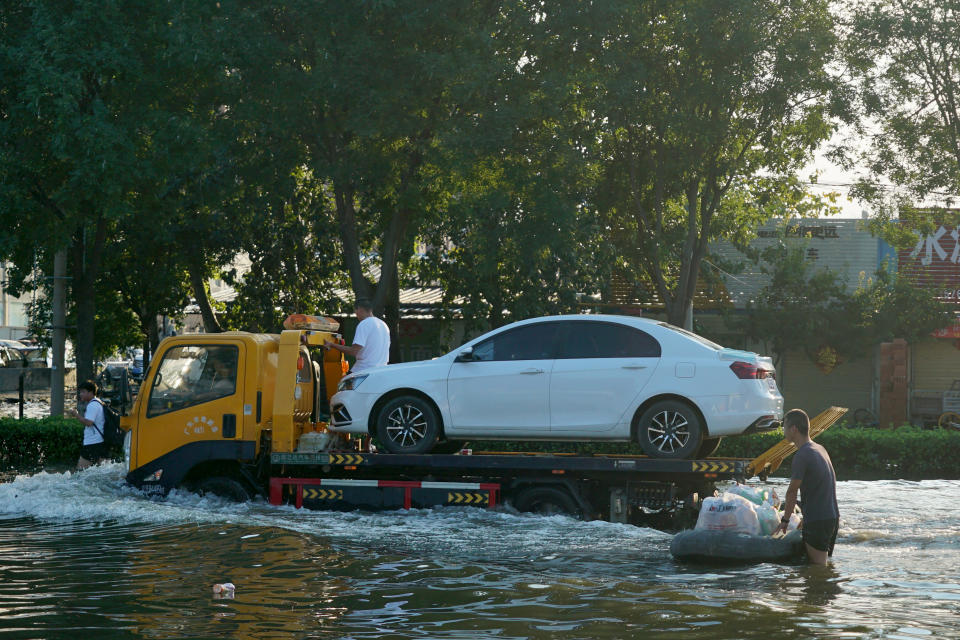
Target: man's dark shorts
[
  {"x": 94, "y": 452},
  {"x": 821, "y": 534}
]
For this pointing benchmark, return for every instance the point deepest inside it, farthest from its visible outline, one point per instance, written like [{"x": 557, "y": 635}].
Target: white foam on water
[{"x": 99, "y": 494}]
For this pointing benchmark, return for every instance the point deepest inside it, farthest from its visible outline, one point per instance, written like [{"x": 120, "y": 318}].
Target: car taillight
[{"x": 747, "y": 371}]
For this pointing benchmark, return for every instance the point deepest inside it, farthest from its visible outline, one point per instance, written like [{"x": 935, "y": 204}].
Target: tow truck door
[{"x": 193, "y": 398}]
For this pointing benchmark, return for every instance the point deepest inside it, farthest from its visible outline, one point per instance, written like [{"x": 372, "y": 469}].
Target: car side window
[
  {"x": 193, "y": 374},
  {"x": 607, "y": 340},
  {"x": 529, "y": 342}
]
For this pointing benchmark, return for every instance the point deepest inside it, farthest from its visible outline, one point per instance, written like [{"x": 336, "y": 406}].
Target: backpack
[{"x": 112, "y": 434}]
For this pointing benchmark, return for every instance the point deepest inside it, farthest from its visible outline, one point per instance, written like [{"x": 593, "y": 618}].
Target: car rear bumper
[{"x": 763, "y": 424}]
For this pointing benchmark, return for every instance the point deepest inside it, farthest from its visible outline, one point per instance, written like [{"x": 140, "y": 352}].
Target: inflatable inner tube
[{"x": 730, "y": 547}]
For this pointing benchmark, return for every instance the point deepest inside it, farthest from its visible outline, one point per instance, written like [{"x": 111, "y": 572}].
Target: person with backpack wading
[{"x": 93, "y": 420}]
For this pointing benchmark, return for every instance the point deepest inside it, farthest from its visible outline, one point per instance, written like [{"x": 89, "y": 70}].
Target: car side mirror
[{"x": 466, "y": 355}]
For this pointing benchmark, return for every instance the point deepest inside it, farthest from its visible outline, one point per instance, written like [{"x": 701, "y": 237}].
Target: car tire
[
  {"x": 224, "y": 487},
  {"x": 670, "y": 430},
  {"x": 408, "y": 424},
  {"x": 708, "y": 447},
  {"x": 547, "y": 501},
  {"x": 448, "y": 446}
]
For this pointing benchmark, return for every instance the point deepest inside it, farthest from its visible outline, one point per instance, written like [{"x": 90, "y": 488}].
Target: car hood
[{"x": 405, "y": 370}]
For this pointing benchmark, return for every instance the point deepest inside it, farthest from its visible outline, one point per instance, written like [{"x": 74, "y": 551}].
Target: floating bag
[
  {"x": 728, "y": 512},
  {"x": 769, "y": 518},
  {"x": 754, "y": 495}
]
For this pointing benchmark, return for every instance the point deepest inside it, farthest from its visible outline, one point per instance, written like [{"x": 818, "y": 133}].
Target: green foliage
[
  {"x": 903, "y": 60},
  {"x": 804, "y": 308},
  {"x": 800, "y": 307},
  {"x": 293, "y": 262},
  {"x": 703, "y": 111},
  {"x": 907, "y": 452},
  {"x": 29, "y": 444}
]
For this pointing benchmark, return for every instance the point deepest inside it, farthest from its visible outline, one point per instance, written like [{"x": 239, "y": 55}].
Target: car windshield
[{"x": 693, "y": 336}]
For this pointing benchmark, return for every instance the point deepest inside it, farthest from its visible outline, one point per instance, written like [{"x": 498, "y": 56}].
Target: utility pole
[{"x": 59, "y": 331}]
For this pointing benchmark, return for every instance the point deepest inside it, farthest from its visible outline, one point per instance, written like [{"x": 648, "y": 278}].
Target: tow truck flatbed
[
  {"x": 712, "y": 468},
  {"x": 619, "y": 488}
]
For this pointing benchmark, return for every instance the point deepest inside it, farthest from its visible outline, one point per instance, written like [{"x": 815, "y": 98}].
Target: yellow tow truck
[
  {"x": 213, "y": 406},
  {"x": 242, "y": 415}
]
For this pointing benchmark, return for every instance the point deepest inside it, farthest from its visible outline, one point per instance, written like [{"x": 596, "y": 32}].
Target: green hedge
[
  {"x": 858, "y": 453},
  {"x": 34, "y": 443},
  {"x": 909, "y": 453}
]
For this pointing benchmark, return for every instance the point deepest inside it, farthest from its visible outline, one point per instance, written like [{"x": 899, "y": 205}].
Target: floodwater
[{"x": 83, "y": 556}]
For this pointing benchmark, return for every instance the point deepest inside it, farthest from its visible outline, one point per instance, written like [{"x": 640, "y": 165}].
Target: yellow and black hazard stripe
[{"x": 713, "y": 466}]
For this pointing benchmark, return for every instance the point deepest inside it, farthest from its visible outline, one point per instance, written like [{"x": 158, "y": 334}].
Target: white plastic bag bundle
[
  {"x": 755, "y": 494},
  {"x": 729, "y": 512},
  {"x": 769, "y": 518}
]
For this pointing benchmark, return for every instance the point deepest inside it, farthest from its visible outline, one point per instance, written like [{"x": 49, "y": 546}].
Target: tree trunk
[
  {"x": 391, "y": 315},
  {"x": 346, "y": 215},
  {"x": 153, "y": 340},
  {"x": 87, "y": 253},
  {"x": 199, "y": 285},
  {"x": 59, "y": 332}
]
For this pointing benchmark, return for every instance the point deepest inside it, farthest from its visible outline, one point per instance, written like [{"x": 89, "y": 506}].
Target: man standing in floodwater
[{"x": 811, "y": 473}]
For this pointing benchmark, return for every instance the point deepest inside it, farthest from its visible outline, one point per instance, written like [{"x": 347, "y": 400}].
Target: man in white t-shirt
[
  {"x": 371, "y": 341},
  {"x": 93, "y": 422}
]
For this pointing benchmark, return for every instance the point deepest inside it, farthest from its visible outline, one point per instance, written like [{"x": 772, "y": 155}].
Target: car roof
[
  {"x": 661, "y": 330},
  {"x": 592, "y": 317},
  {"x": 644, "y": 323}
]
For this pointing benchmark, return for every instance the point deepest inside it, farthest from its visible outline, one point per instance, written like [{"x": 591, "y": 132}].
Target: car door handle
[
  {"x": 634, "y": 366},
  {"x": 531, "y": 372}
]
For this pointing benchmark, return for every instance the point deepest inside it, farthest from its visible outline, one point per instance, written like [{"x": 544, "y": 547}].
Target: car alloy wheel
[
  {"x": 408, "y": 424},
  {"x": 670, "y": 429}
]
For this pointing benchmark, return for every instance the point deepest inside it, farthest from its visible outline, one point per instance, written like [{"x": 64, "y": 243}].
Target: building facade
[
  {"x": 13, "y": 310},
  {"x": 914, "y": 382}
]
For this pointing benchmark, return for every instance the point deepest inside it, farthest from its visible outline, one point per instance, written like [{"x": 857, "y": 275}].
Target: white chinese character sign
[{"x": 934, "y": 261}]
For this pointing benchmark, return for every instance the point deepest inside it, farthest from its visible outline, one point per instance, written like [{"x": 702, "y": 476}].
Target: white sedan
[{"x": 577, "y": 377}]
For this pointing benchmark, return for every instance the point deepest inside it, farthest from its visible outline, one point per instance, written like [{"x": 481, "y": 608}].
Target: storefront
[{"x": 934, "y": 382}]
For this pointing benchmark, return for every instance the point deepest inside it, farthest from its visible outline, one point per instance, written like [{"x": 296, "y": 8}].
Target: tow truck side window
[{"x": 191, "y": 375}]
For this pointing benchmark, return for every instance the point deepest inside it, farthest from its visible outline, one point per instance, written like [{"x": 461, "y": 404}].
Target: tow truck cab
[{"x": 213, "y": 406}]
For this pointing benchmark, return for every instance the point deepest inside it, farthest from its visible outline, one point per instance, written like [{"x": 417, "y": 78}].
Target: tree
[
  {"x": 904, "y": 59},
  {"x": 293, "y": 263},
  {"x": 116, "y": 137},
  {"x": 811, "y": 310},
  {"x": 696, "y": 101},
  {"x": 517, "y": 237},
  {"x": 800, "y": 309},
  {"x": 378, "y": 91},
  {"x": 70, "y": 137}
]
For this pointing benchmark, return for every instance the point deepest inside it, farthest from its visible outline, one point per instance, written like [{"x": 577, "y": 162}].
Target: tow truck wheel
[
  {"x": 670, "y": 429},
  {"x": 408, "y": 424},
  {"x": 547, "y": 501},
  {"x": 223, "y": 487}
]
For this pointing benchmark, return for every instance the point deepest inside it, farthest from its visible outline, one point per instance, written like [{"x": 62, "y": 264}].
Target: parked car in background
[
  {"x": 578, "y": 377},
  {"x": 14, "y": 353}
]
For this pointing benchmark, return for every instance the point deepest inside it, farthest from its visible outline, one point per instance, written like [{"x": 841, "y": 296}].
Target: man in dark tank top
[{"x": 812, "y": 475}]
